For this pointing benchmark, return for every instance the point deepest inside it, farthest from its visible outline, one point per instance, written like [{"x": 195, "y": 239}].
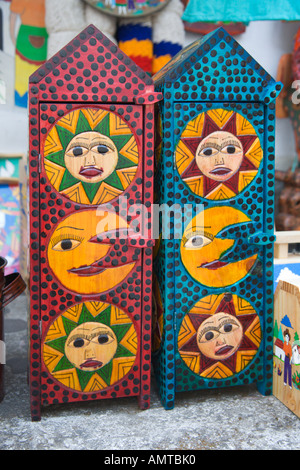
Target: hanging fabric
[{"x": 241, "y": 10}]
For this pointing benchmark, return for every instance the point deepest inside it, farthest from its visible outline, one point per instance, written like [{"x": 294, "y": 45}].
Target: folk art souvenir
[
  {"x": 213, "y": 272},
  {"x": 91, "y": 158},
  {"x": 91, "y": 272},
  {"x": 286, "y": 359}
]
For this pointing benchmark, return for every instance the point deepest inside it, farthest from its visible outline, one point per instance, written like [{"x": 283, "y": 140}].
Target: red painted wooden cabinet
[{"x": 91, "y": 113}]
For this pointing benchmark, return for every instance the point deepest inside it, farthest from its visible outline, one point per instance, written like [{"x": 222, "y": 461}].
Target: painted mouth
[
  {"x": 90, "y": 171},
  {"x": 91, "y": 363},
  {"x": 220, "y": 171},
  {"x": 94, "y": 269},
  {"x": 224, "y": 350},
  {"x": 214, "y": 264},
  {"x": 87, "y": 270}
]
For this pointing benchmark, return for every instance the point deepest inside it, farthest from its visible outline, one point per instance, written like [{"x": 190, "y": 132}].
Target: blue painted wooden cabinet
[{"x": 213, "y": 261}]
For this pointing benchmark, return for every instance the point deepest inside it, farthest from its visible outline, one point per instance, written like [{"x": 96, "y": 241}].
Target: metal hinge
[
  {"x": 40, "y": 164},
  {"x": 40, "y": 328}
]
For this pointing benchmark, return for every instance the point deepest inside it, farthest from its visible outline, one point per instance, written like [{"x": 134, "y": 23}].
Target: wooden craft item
[
  {"x": 286, "y": 364},
  {"x": 91, "y": 158},
  {"x": 214, "y": 283}
]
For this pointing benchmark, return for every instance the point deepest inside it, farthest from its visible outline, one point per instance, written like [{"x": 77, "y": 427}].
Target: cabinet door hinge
[{"x": 40, "y": 164}]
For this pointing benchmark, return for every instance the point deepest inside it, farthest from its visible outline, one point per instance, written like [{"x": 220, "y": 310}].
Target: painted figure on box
[
  {"x": 287, "y": 349},
  {"x": 219, "y": 154},
  {"x": 219, "y": 336},
  {"x": 91, "y": 156},
  {"x": 90, "y": 346},
  {"x": 81, "y": 251},
  {"x": 209, "y": 253}
]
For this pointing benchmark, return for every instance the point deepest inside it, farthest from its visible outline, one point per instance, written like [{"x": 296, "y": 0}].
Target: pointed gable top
[
  {"x": 91, "y": 68},
  {"x": 217, "y": 68}
]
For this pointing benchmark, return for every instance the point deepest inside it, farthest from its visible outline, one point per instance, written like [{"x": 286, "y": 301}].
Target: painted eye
[
  {"x": 101, "y": 148},
  {"x": 66, "y": 244},
  {"x": 103, "y": 339},
  {"x": 197, "y": 241},
  {"x": 209, "y": 335},
  {"x": 231, "y": 149},
  {"x": 228, "y": 327},
  {"x": 208, "y": 152},
  {"x": 77, "y": 151},
  {"x": 78, "y": 343}
]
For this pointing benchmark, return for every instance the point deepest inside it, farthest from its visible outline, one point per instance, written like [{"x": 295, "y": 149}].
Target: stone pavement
[{"x": 237, "y": 418}]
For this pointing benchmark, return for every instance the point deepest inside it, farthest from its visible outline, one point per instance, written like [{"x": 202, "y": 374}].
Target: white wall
[{"x": 266, "y": 41}]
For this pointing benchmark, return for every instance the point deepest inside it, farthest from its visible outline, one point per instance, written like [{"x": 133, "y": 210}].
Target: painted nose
[
  {"x": 89, "y": 352},
  {"x": 220, "y": 341},
  {"x": 89, "y": 159},
  {"x": 219, "y": 160}
]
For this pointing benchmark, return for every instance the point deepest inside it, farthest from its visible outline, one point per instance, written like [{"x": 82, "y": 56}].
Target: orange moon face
[
  {"x": 201, "y": 249},
  {"x": 79, "y": 252}
]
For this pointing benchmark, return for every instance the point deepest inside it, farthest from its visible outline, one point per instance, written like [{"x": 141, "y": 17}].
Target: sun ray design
[
  {"x": 198, "y": 129},
  {"x": 107, "y": 124},
  {"x": 80, "y": 316},
  {"x": 238, "y": 310}
]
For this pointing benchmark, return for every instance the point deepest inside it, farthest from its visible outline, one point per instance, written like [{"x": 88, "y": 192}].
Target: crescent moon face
[
  {"x": 202, "y": 250},
  {"x": 81, "y": 255}
]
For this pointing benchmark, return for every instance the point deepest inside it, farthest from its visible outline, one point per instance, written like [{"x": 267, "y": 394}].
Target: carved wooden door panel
[{"x": 91, "y": 170}]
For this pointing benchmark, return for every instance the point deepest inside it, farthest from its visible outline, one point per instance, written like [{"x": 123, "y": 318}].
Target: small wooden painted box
[
  {"x": 286, "y": 365},
  {"x": 91, "y": 112},
  {"x": 213, "y": 271}
]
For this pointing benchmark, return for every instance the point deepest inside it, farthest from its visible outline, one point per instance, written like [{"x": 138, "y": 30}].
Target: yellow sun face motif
[
  {"x": 79, "y": 252},
  {"x": 204, "y": 254},
  {"x": 90, "y": 346},
  {"x": 91, "y": 156},
  {"x": 219, "y": 336},
  {"x": 218, "y": 154}
]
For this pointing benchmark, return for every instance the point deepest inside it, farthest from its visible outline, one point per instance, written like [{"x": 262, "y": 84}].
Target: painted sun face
[
  {"x": 202, "y": 252},
  {"x": 220, "y": 336},
  {"x": 91, "y": 346},
  {"x": 219, "y": 155},
  {"x": 91, "y": 157},
  {"x": 79, "y": 252}
]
